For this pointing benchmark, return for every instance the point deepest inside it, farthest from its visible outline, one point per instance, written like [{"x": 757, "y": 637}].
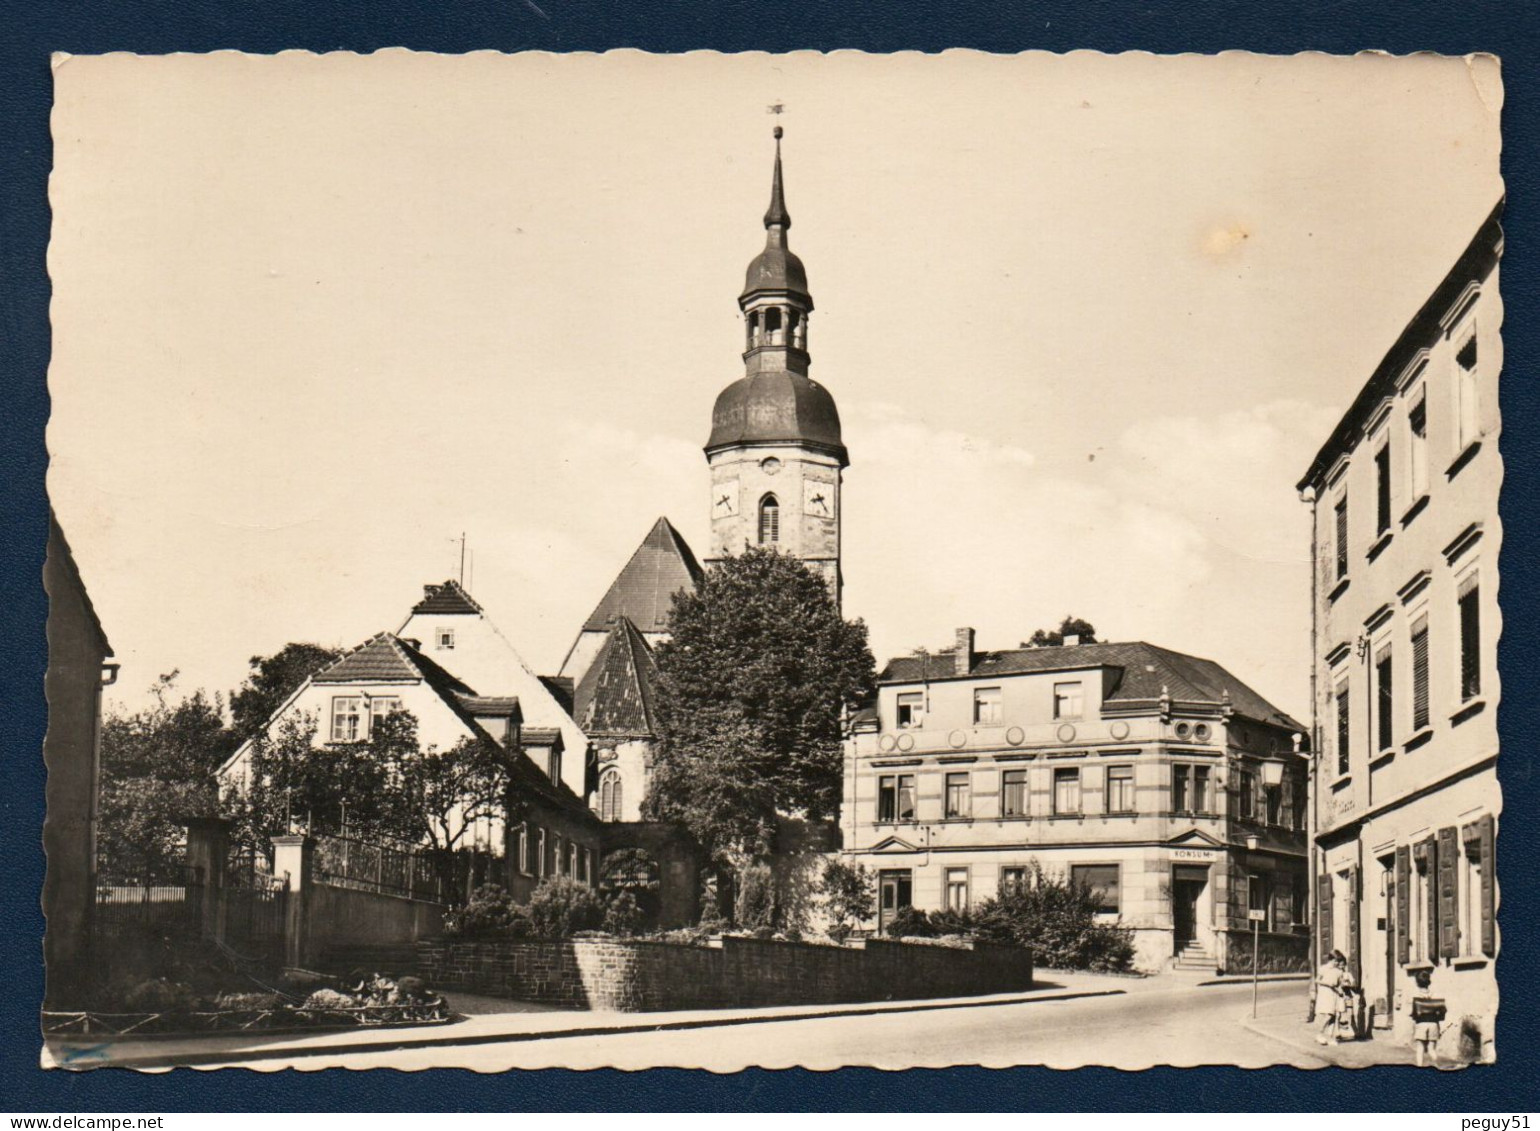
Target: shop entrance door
[{"x": 1187, "y": 887}]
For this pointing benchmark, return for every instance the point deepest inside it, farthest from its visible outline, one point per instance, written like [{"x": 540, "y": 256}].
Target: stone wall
[
  {"x": 640, "y": 975},
  {"x": 1276, "y": 953}
]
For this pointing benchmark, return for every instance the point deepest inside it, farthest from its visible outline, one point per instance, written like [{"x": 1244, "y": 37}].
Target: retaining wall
[
  {"x": 639, "y": 975},
  {"x": 1277, "y": 953}
]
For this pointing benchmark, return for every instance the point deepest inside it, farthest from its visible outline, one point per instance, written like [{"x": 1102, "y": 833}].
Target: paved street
[{"x": 1151, "y": 1024}]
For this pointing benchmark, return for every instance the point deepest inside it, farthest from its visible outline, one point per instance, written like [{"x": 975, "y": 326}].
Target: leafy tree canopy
[
  {"x": 272, "y": 680},
  {"x": 753, "y": 692},
  {"x": 1069, "y": 626},
  {"x": 157, "y": 770}
]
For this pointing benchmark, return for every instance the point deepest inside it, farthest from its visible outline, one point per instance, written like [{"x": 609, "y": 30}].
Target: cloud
[{"x": 886, "y": 434}]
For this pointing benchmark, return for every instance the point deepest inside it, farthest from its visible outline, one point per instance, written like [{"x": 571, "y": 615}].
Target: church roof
[
  {"x": 644, "y": 591},
  {"x": 615, "y": 695},
  {"x": 777, "y": 406},
  {"x": 1145, "y": 671},
  {"x": 449, "y": 597}
]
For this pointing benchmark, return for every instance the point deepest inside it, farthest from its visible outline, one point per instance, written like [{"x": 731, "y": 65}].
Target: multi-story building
[
  {"x": 1155, "y": 777},
  {"x": 1404, "y": 502}
]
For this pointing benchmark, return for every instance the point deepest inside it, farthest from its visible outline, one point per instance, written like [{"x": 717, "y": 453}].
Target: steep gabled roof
[
  {"x": 644, "y": 591},
  {"x": 61, "y": 558},
  {"x": 1145, "y": 671},
  {"x": 615, "y": 696},
  {"x": 449, "y": 597}
]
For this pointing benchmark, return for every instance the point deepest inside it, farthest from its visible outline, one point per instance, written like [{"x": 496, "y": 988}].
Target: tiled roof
[
  {"x": 644, "y": 591},
  {"x": 615, "y": 696},
  {"x": 384, "y": 658},
  {"x": 490, "y": 704},
  {"x": 539, "y": 736},
  {"x": 449, "y": 597},
  {"x": 1145, "y": 670}
]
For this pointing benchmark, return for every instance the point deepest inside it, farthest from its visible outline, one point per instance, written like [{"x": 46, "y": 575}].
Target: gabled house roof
[
  {"x": 644, "y": 591},
  {"x": 615, "y": 695},
  {"x": 450, "y": 597},
  {"x": 61, "y": 557},
  {"x": 1143, "y": 673}
]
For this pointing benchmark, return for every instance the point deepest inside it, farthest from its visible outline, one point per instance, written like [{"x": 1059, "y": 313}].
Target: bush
[
  {"x": 1059, "y": 920},
  {"x": 160, "y": 996},
  {"x": 243, "y": 1001},
  {"x": 489, "y": 913},
  {"x": 632, "y": 872},
  {"x": 755, "y": 906},
  {"x": 623, "y": 915},
  {"x": 562, "y": 906},
  {"x": 911, "y": 922},
  {"x": 849, "y": 895}
]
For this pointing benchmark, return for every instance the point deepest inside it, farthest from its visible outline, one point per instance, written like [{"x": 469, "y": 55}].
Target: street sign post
[{"x": 1256, "y": 915}]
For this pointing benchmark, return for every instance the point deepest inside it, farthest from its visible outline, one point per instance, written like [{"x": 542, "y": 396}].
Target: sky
[{"x": 1086, "y": 319}]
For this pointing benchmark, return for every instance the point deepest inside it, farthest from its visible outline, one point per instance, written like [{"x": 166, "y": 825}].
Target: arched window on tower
[
  {"x": 769, "y": 521},
  {"x": 610, "y": 796},
  {"x": 753, "y": 329},
  {"x": 773, "y": 327},
  {"x": 795, "y": 336}
]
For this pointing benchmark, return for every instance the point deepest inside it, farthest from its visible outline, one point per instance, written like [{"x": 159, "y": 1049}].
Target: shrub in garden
[
  {"x": 1059, "y": 920},
  {"x": 623, "y": 914},
  {"x": 633, "y": 872},
  {"x": 561, "y": 906},
  {"x": 949, "y": 922},
  {"x": 755, "y": 906},
  {"x": 911, "y": 922},
  {"x": 848, "y": 894},
  {"x": 489, "y": 913}
]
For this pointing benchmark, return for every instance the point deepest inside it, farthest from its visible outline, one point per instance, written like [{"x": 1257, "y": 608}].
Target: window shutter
[
  {"x": 1430, "y": 855},
  {"x": 1355, "y": 889},
  {"x": 1323, "y": 896},
  {"x": 1488, "y": 887},
  {"x": 1403, "y": 905},
  {"x": 1448, "y": 901}
]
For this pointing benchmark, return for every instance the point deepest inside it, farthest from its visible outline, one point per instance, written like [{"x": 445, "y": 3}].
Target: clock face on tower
[
  {"x": 724, "y": 499},
  {"x": 818, "y": 498}
]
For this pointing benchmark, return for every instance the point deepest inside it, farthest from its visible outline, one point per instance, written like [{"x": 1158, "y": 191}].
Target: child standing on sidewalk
[{"x": 1427, "y": 1019}]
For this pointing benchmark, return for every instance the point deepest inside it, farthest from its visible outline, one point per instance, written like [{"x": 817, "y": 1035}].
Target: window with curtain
[{"x": 1066, "y": 791}]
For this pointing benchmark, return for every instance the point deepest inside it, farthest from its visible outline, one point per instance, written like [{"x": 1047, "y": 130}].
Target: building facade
[
  {"x": 1404, "y": 504},
  {"x": 1140, "y": 771}
]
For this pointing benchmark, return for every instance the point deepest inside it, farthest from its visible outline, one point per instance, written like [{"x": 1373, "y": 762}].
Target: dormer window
[
  {"x": 444, "y": 639},
  {"x": 986, "y": 706},
  {"x": 1068, "y": 700},
  {"x": 911, "y": 709}
]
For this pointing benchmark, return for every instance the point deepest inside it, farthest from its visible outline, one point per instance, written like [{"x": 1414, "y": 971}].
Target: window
[
  {"x": 769, "y": 521},
  {"x": 1344, "y": 728},
  {"x": 347, "y": 718},
  {"x": 611, "y": 796},
  {"x": 1013, "y": 876},
  {"x": 1276, "y": 802},
  {"x": 986, "y": 706},
  {"x": 1068, "y": 700},
  {"x": 1470, "y": 638},
  {"x": 553, "y": 765},
  {"x": 957, "y": 889},
  {"x": 959, "y": 795},
  {"x": 1259, "y": 896},
  {"x": 1120, "y": 789},
  {"x": 1283, "y": 902},
  {"x": 1467, "y": 392},
  {"x": 380, "y": 707},
  {"x": 1382, "y": 489},
  {"x": 1468, "y": 896},
  {"x": 1342, "y": 536},
  {"x": 523, "y": 849},
  {"x": 1420, "y": 712},
  {"x": 1102, "y": 879},
  {"x": 911, "y": 709},
  {"x": 1421, "y": 911},
  {"x": 1066, "y": 790},
  {"x": 1013, "y": 793},
  {"x": 895, "y": 890},
  {"x": 1417, "y": 422},
  {"x": 1246, "y": 794},
  {"x": 540, "y": 861},
  {"x": 1190, "y": 788},
  {"x": 444, "y": 638},
  {"x": 1385, "y": 698},
  {"x": 895, "y": 797}
]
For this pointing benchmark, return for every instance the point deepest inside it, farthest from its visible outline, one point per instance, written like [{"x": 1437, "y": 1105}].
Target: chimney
[
  {"x": 1071, "y": 640},
  {"x": 962, "y": 656}
]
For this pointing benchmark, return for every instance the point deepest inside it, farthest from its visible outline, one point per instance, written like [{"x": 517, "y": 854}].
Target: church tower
[{"x": 775, "y": 451}]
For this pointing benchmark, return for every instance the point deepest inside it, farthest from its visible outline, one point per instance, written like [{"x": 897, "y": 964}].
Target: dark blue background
[{"x": 33, "y": 30}]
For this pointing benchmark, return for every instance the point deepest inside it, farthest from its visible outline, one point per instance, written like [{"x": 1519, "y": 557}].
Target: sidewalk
[
  {"x": 519, "y": 1021},
  {"x": 1285, "y": 1022}
]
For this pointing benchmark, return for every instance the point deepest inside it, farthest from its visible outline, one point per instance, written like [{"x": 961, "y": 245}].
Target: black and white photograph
[{"x": 519, "y": 600}]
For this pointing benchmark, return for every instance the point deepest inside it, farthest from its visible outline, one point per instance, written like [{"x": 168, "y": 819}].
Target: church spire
[{"x": 777, "y": 217}]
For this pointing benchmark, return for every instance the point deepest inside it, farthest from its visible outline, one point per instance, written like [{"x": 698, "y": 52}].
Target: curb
[
  {"x": 1244, "y": 980},
  {"x": 235, "y": 1056}
]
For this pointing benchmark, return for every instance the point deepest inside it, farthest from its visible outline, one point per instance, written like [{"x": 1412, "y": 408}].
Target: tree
[
  {"x": 1059, "y": 919},
  {"x": 754, "y": 693},
  {"x": 436, "y": 796},
  {"x": 1069, "y": 626},
  {"x": 272, "y": 680},
  {"x": 849, "y": 895},
  {"x": 157, "y": 770}
]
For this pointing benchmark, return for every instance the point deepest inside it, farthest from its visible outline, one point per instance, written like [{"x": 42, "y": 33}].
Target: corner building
[
  {"x": 1404, "y": 503},
  {"x": 1145, "y": 773}
]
